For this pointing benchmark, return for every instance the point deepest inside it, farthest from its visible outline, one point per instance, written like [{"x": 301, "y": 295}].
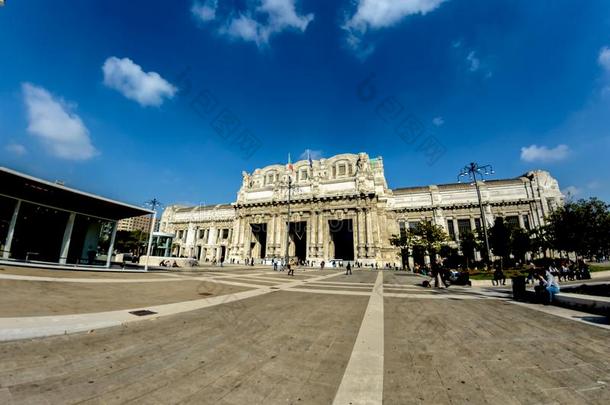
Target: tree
[
  {"x": 130, "y": 241},
  {"x": 540, "y": 240},
  {"x": 521, "y": 243},
  {"x": 499, "y": 238},
  {"x": 430, "y": 237},
  {"x": 469, "y": 243},
  {"x": 404, "y": 242},
  {"x": 582, "y": 227}
]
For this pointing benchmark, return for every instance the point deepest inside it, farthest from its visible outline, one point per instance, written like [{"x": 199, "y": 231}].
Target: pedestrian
[
  {"x": 290, "y": 270},
  {"x": 348, "y": 269}
]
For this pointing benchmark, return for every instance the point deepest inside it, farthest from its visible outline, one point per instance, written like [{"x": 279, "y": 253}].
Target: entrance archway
[
  {"x": 342, "y": 239},
  {"x": 259, "y": 245},
  {"x": 298, "y": 240}
]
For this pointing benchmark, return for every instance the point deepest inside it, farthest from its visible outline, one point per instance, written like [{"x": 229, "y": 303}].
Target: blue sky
[{"x": 131, "y": 99}]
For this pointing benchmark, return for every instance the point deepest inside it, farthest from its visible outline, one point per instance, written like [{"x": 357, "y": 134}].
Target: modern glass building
[{"x": 46, "y": 222}]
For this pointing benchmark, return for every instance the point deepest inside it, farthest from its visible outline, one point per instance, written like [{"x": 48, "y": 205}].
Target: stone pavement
[{"x": 322, "y": 337}]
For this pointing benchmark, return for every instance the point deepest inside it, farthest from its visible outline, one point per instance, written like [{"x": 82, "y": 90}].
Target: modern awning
[{"x": 37, "y": 191}]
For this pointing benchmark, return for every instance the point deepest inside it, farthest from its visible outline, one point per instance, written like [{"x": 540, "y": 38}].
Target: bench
[{"x": 586, "y": 303}]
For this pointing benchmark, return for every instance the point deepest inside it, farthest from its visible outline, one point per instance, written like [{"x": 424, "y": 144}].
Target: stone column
[
  {"x": 411, "y": 262},
  {"x": 361, "y": 229},
  {"x": 65, "y": 243},
  {"x": 521, "y": 222},
  {"x": 11, "y": 231},
  {"x": 375, "y": 240},
  {"x": 312, "y": 234},
  {"x": 321, "y": 238},
  {"x": 369, "y": 233},
  {"x": 242, "y": 237},
  {"x": 271, "y": 236},
  {"x": 111, "y": 246}
]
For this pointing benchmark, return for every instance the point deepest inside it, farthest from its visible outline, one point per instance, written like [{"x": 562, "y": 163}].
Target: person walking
[
  {"x": 290, "y": 270},
  {"x": 348, "y": 269}
]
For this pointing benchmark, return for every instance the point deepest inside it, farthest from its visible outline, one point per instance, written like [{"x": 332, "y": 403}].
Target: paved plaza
[{"x": 254, "y": 336}]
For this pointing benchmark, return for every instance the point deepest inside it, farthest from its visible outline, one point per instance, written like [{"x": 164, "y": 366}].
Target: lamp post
[
  {"x": 288, "y": 222},
  {"x": 292, "y": 188},
  {"x": 471, "y": 171},
  {"x": 153, "y": 204}
]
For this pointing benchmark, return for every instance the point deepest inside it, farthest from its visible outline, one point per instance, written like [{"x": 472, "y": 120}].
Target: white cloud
[
  {"x": 571, "y": 191},
  {"x": 474, "y": 63},
  {"x": 315, "y": 154},
  {"x": 535, "y": 153},
  {"x": 128, "y": 78},
  {"x": 247, "y": 29},
  {"x": 377, "y": 14},
  {"x": 53, "y": 122},
  {"x": 593, "y": 185},
  {"x": 205, "y": 11},
  {"x": 267, "y": 18},
  {"x": 16, "y": 149},
  {"x": 438, "y": 121},
  {"x": 604, "y": 58}
]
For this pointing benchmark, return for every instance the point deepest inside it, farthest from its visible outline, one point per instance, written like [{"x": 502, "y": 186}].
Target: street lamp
[
  {"x": 154, "y": 203},
  {"x": 297, "y": 190},
  {"x": 471, "y": 171}
]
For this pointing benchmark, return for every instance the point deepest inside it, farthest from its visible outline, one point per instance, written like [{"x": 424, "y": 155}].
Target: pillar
[
  {"x": 111, "y": 246},
  {"x": 360, "y": 229},
  {"x": 521, "y": 222},
  {"x": 11, "y": 231},
  {"x": 312, "y": 234},
  {"x": 411, "y": 262},
  {"x": 321, "y": 238},
  {"x": 271, "y": 236},
  {"x": 65, "y": 243},
  {"x": 369, "y": 233}
]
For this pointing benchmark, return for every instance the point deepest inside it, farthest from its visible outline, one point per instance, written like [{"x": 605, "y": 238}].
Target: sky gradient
[{"x": 131, "y": 100}]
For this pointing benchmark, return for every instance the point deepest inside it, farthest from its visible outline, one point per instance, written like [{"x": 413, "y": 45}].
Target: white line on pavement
[
  {"x": 42, "y": 326},
  {"x": 362, "y": 381}
]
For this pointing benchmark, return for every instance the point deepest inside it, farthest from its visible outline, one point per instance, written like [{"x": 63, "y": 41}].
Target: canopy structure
[{"x": 41, "y": 221}]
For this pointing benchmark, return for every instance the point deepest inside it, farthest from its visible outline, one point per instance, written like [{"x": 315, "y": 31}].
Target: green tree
[
  {"x": 499, "y": 238},
  {"x": 582, "y": 227},
  {"x": 540, "y": 240},
  {"x": 520, "y": 244},
  {"x": 404, "y": 242},
  {"x": 130, "y": 241},
  {"x": 469, "y": 243},
  {"x": 430, "y": 237}
]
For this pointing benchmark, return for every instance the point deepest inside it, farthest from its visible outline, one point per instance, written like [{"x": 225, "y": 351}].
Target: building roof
[
  {"x": 456, "y": 186},
  {"x": 31, "y": 189},
  {"x": 197, "y": 208}
]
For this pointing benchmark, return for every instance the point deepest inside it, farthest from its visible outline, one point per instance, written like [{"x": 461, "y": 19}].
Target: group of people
[{"x": 565, "y": 270}]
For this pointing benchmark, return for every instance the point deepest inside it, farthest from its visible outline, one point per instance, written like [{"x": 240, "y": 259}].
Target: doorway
[
  {"x": 298, "y": 240},
  {"x": 259, "y": 246},
  {"x": 341, "y": 239}
]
